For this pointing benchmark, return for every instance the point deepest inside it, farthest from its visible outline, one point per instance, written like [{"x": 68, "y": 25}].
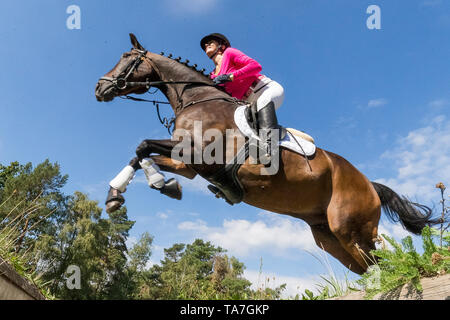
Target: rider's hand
[{"x": 223, "y": 78}]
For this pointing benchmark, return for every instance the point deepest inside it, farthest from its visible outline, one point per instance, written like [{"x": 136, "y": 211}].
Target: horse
[{"x": 340, "y": 204}]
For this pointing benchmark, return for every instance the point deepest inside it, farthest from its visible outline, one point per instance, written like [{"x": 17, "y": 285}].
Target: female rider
[{"x": 241, "y": 78}]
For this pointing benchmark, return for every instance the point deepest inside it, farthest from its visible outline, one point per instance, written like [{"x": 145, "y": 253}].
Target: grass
[
  {"x": 394, "y": 268},
  {"x": 330, "y": 286},
  {"x": 12, "y": 231}
]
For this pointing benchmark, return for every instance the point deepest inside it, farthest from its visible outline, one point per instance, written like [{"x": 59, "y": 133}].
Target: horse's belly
[{"x": 293, "y": 190}]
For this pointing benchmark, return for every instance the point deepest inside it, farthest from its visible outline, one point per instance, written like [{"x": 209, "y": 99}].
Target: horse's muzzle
[{"x": 105, "y": 91}]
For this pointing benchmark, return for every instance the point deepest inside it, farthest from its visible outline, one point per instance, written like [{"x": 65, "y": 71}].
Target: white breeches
[{"x": 270, "y": 91}]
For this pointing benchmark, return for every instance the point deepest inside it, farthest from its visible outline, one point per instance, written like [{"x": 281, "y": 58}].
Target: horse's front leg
[
  {"x": 152, "y": 171},
  {"x": 173, "y": 166},
  {"x": 163, "y": 147}
]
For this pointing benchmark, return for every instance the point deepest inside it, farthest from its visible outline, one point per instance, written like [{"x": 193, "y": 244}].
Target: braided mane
[{"x": 186, "y": 63}]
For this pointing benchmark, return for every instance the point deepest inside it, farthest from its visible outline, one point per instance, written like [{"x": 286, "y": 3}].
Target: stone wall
[
  {"x": 14, "y": 287},
  {"x": 436, "y": 288}
]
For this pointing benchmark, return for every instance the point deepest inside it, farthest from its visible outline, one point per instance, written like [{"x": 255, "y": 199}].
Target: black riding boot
[{"x": 267, "y": 120}]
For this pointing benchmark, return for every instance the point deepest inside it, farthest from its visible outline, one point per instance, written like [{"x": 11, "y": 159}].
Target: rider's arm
[{"x": 246, "y": 66}]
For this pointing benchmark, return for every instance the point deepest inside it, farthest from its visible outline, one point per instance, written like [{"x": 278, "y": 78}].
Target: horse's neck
[{"x": 169, "y": 70}]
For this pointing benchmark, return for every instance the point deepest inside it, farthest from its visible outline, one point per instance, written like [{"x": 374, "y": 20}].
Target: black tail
[{"x": 413, "y": 216}]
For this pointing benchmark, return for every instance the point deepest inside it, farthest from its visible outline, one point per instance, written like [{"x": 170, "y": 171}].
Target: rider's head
[{"x": 213, "y": 43}]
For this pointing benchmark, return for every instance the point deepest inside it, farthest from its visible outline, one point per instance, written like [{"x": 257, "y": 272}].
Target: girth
[{"x": 225, "y": 181}]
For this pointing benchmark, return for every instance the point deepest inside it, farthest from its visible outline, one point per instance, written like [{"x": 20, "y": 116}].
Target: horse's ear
[{"x": 135, "y": 42}]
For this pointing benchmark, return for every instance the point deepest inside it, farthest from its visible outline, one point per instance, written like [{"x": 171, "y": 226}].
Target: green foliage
[
  {"x": 43, "y": 232},
  {"x": 97, "y": 246},
  {"x": 329, "y": 287},
  {"x": 32, "y": 200},
  {"x": 140, "y": 254},
  {"x": 436, "y": 234},
  {"x": 195, "y": 271},
  {"x": 404, "y": 264},
  {"x": 309, "y": 295}
]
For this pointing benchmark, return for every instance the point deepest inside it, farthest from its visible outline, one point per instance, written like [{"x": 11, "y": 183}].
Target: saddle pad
[{"x": 289, "y": 141}]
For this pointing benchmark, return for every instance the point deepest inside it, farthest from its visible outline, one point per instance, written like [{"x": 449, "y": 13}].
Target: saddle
[{"x": 225, "y": 183}]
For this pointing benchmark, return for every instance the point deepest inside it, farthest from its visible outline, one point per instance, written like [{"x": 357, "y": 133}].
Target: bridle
[{"x": 120, "y": 82}]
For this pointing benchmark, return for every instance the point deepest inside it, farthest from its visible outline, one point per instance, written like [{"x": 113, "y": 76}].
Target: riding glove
[{"x": 223, "y": 78}]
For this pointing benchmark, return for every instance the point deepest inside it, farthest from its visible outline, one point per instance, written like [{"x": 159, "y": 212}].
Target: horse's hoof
[
  {"x": 172, "y": 189},
  {"x": 112, "y": 206},
  {"x": 114, "y": 200}
]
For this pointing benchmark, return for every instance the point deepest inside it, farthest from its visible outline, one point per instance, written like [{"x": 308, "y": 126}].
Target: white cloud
[
  {"x": 438, "y": 104},
  {"x": 372, "y": 104},
  {"x": 393, "y": 230},
  {"x": 131, "y": 241},
  {"x": 294, "y": 285},
  {"x": 198, "y": 184},
  {"x": 242, "y": 237},
  {"x": 376, "y": 103},
  {"x": 96, "y": 191},
  {"x": 162, "y": 215},
  {"x": 191, "y": 6},
  {"x": 345, "y": 122},
  {"x": 422, "y": 159},
  {"x": 431, "y": 3}
]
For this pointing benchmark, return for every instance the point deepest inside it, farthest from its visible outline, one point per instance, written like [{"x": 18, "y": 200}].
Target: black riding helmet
[{"x": 214, "y": 36}]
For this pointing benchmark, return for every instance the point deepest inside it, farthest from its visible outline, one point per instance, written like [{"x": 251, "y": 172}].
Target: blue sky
[{"x": 379, "y": 98}]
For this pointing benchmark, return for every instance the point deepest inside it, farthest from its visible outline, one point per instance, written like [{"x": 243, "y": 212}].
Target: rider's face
[{"x": 211, "y": 47}]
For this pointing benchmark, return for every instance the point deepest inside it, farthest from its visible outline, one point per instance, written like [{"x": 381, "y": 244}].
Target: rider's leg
[{"x": 267, "y": 102}]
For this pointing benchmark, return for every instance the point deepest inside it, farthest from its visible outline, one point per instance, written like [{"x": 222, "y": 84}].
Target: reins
[
  {"x": 168, "y": 123},
  {"x": 121, "y": 82}
]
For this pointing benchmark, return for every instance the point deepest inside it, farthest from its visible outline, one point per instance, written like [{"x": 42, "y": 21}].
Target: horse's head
[{"x": 128, "y": 75}]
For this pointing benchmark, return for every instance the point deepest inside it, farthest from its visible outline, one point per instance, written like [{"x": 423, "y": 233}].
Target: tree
[
  {"x": 31, "y": 200},
  {"x": 195, "y": 271},
  {"x": 54, "y": 234},
  {"x": 95, "y": 245}
]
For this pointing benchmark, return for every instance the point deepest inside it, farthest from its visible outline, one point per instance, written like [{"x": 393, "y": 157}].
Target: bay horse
[{"x": 341, "y": 206}]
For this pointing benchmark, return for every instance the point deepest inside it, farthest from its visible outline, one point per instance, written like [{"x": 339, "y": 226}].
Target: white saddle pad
[{"x": 294, "y": 143}]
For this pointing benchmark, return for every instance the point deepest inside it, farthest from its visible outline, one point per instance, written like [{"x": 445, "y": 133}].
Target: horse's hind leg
[
  {"x": 356, "y": 232},
  {"x": 326, "y": 240}
]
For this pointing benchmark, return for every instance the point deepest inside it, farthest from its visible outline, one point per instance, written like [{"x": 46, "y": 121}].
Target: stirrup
[
  {"x": 265, "y": 153},
  {"x": 216, "y": 191}
]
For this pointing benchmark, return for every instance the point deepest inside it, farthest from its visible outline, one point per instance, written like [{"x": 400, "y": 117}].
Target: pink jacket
[{"x": 245, "y": 70}]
